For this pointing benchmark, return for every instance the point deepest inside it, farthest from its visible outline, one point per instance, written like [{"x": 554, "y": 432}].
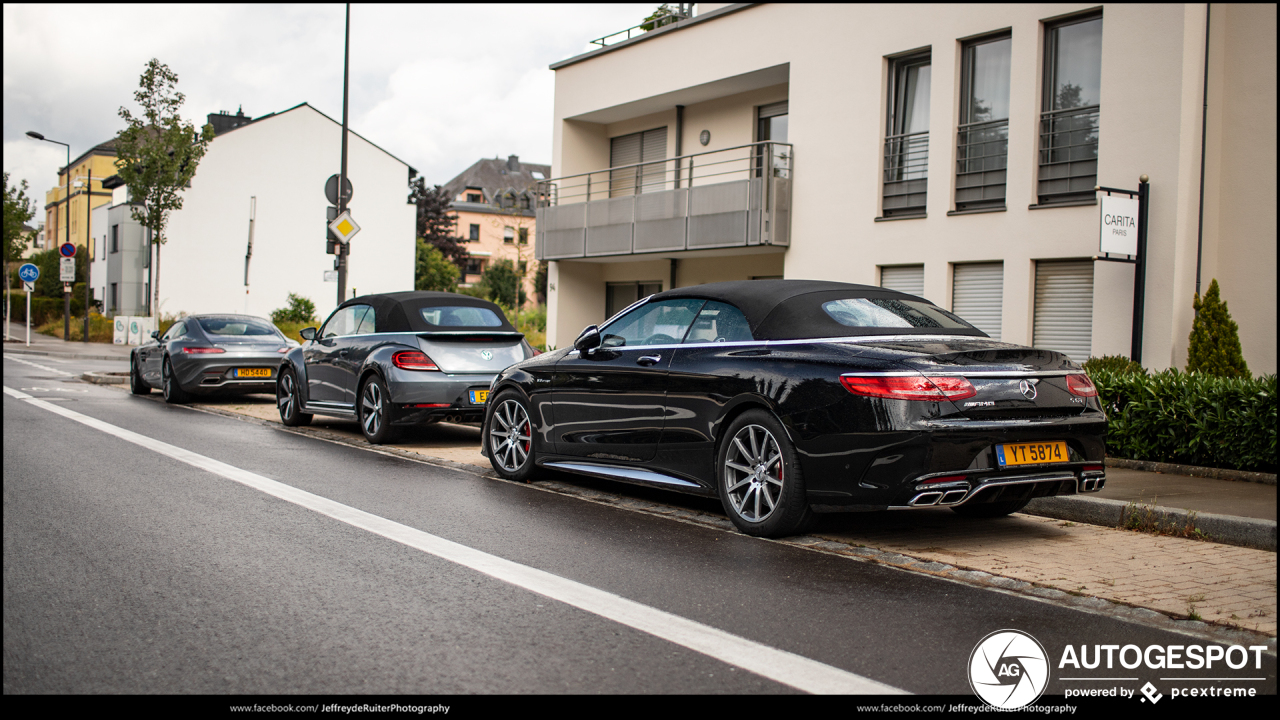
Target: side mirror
[
  {"x": 308, "y": 333},
  {"x": 155, "y": 334},
  {"x": 589, "y": 340}
]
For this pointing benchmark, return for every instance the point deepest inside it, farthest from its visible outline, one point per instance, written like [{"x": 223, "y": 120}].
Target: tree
[
  {"x": 157, "y": 155},
  {"x": 433, "y": 270},
  {"x": 299, "y": 310},
  {"x": 661, "y": 17},
  {"x": 1215, "y": 338},
  {"x": 503, "y": 283},
  {"x": 435, "y": 224},
  {"x": 18, "y": 209}
]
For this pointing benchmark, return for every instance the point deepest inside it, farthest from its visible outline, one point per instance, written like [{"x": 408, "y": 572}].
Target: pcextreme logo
[{"x": 1008, "y": 669}]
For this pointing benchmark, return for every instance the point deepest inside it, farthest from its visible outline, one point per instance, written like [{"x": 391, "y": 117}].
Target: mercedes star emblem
[{"x": 1028, "y": 390}]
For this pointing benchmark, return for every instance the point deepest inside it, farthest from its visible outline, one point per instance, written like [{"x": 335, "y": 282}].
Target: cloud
[{"x": 439, "y": 86}]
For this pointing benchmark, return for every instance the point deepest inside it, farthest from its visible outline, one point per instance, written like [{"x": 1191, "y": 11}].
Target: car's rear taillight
[
  {"x": 916, "y": 387},
  {"x": 413, "y": 360},
  {"x": 201, "y": 350},
  {"x": 1081, "y": 385}
]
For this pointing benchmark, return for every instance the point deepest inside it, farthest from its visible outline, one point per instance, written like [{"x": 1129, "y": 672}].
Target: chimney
[{"x": 513, "y": 163}]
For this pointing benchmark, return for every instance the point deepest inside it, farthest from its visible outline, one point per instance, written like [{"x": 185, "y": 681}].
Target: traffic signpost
[
  {"x": 67, "y": 250},
  {"x": 28, "y": 273}
]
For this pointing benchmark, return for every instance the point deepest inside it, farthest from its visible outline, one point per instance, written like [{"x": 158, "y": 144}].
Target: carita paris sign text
[{"x": 1118, "y": 232}]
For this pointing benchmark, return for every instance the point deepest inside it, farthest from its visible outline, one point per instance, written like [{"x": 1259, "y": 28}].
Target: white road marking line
[
  {"x": 37, "y": 365},
  {"x": 778, "y": 665}
]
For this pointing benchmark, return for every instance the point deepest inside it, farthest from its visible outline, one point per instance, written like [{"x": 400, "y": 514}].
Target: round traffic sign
[
  {"x": 67, "y": 250},
  {"x": 29, "y": 273},
  {"x": 331, "y": 190}
]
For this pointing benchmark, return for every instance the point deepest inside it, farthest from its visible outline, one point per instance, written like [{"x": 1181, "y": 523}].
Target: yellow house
[
  {"x": 90, "y": 169},
  {"x": 493, "y": 202}
]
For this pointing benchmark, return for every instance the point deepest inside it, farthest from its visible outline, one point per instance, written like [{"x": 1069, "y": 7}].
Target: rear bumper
[
  {"x": 432, "y": 397},
  {"x": 1003, "y": 487}
]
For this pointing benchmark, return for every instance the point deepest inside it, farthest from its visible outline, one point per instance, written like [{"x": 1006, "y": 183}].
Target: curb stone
[
  {"x": 106, "y": 378},
  {"x": 1192, "y": 470},
  {"x": 1226, "y": 529}
]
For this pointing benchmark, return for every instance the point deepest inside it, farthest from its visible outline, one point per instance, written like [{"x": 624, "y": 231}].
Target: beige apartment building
[{"x": 816, "y": 141}]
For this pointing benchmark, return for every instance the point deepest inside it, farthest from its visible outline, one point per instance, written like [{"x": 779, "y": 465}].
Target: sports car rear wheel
[
  {"x": 289, "y": 401},
  {"x": 759, "y": 480},
  {"x": 173, "y": 392},
  {"x": 374, "y": 409},
  {"x": 510, "y": 438}
]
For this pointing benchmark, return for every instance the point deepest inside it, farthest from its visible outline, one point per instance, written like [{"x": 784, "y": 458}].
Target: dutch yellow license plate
[
  {"x": 1054, "y": 451},
  {"x": 253, "y": 372},
  {"x": 479, "y": 397}
]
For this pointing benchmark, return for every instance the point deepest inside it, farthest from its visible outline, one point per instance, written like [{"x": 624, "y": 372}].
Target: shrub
[
  {"x": 1215, "y": 338},
  {"x": 503, "y": 283},
  {"x": 1190, "y": 418},
  {"x": 1114, "y": 364},
  {"x": 300, "y": 310},
  {"x": 433, "y": 270}
]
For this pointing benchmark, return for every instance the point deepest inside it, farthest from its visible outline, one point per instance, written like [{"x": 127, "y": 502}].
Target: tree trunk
[{"x": 155, "y": 287}]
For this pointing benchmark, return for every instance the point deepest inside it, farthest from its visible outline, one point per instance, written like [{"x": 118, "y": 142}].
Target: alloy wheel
[
  {"x": 373, "y": 414},
  {"x": 510, "y": 436},
  {"x": 753, "y": 473},
  {"x": 286, "y": 398}
]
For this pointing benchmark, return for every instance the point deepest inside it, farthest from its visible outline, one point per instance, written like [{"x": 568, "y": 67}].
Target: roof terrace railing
[
  {"x": 733, "y": 197},
  {"x": 683, "y": 11}
]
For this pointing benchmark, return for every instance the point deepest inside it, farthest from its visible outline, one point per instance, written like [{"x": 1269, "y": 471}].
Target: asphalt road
[{"x": 192, "y": 564}]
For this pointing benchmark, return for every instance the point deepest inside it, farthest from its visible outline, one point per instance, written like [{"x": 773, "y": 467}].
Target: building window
[
  {"x": 1069, "y": 111},
  {"x": 115, "y": 297},
  {"x": 649, "y": 146},
  {"x": 619, "y": 295},
  {"x": 475, "y": 266},
  {"x": 907, "y": 279},
  {"x": 771, "y": 126},
  {"x": 524, "y": 267},
  {"x": 115, "y": 238},
  {"x": 524, "y": 236},
  {"x": 983, "y": 138},
  {"x": 475, "y": 233},
  {"x": 906, "y": 147},
  {"x": 475, "y": 198},
  {"x": 508, "y": 235}
]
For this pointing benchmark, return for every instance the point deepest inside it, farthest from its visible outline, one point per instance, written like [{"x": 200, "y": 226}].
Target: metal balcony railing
[
  {"x": 982, "y": 159},
  {"x": 682, "y": 11},
  {"x": 1068, "y": 154},
  {"x": 906, "y": 173},
  {"x": 736, "y": 197}
]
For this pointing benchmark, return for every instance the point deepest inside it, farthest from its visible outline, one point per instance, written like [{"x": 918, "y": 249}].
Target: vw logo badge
[
  {"x": 1028, "y": 390},
  {"x": 489, "y": 356}
]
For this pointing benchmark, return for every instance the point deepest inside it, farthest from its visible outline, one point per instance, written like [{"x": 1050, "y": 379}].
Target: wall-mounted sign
[{"x": 1118, "y": 225}]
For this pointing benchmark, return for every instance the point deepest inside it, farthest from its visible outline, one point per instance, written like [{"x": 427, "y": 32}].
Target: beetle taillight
[
  {"x": 918, "y": 387},
  {"x": 1081, "y": 385},
  {"x": 413, "y": 360}
]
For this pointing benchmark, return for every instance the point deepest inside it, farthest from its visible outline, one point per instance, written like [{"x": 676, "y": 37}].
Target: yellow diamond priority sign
[{"x": 344, "y": 227}]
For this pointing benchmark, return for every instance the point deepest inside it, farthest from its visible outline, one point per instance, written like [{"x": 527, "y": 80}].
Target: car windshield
[
  {"x": 461, "y": 316},
  {"x": 237, "y": 327},
  {"x": 891, "y": 313}
]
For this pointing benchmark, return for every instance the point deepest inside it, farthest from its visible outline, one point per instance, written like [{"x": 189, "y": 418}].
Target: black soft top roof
[
  {"x": 401, "y": 311},
  {"x": 792, "y": 309}
]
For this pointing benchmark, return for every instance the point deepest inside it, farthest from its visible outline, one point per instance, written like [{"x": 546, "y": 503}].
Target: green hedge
[
  {"x": 43, "y": 309},
  {"x": 1190, "y": 419}
]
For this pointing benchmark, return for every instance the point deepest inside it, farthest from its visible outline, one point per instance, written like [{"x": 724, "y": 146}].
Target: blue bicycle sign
[{"x": 29, "y": 273}]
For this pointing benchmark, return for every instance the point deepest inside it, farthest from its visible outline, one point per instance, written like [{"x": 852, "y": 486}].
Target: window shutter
[
  {"x": 903, "y": 278},
  {"x": 1064, "y": 308},
  {"x": 624, "y": 150},
  {"x": 977, "y": 295}
]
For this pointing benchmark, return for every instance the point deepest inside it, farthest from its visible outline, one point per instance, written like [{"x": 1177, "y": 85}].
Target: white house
[{"x": 275, "y": 167}]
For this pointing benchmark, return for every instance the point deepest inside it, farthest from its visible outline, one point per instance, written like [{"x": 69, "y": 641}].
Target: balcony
[{"x": 733, "y": 198}]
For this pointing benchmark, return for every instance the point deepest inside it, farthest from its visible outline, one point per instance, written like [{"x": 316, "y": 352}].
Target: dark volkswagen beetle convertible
[
  {"x": 398, "y": 359},
  {"x": 786, "y": 397}
]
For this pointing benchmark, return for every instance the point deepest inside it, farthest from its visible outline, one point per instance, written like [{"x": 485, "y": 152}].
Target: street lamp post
[
  {"x": 66, "y": 199},
  {"x": 88, "y": 248}
]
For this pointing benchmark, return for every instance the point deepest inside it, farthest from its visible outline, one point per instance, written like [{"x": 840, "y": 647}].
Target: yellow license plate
[
  {"x": 479, "y": 397},
  {"x": 1039, "y": 453},
  {"x": 253, "y": 372}
]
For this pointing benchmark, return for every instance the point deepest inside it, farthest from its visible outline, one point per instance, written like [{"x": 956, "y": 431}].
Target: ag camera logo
[{"x": 1008, "y": 669}]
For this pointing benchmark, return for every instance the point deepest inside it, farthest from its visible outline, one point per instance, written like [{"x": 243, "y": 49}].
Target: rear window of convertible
[
  {"x": 461, "y": 316},
  {"x": 891, "y": 313}
]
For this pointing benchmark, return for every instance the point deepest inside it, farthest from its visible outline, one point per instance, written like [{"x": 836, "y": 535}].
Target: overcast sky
[{"x": 438, "y": 86}]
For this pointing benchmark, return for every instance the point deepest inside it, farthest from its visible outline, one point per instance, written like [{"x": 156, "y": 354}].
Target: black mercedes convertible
[{"x": 790, "y": 397}]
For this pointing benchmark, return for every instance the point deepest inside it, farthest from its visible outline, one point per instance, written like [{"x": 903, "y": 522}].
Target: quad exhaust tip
[{"x": 925, "y": 499}]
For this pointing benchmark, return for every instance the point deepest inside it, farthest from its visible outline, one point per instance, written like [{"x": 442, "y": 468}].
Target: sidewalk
[{"x": 54, "y": 347}]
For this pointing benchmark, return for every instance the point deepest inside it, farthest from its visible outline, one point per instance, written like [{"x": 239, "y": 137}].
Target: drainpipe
[
  {"x": 674, "y": 264},
  {"x": 1204, "y": 127},
  {"x": 679, "y": 139}
]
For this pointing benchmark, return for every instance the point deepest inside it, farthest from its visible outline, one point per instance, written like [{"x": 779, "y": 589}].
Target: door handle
[{"x": 647, "y": 360}]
